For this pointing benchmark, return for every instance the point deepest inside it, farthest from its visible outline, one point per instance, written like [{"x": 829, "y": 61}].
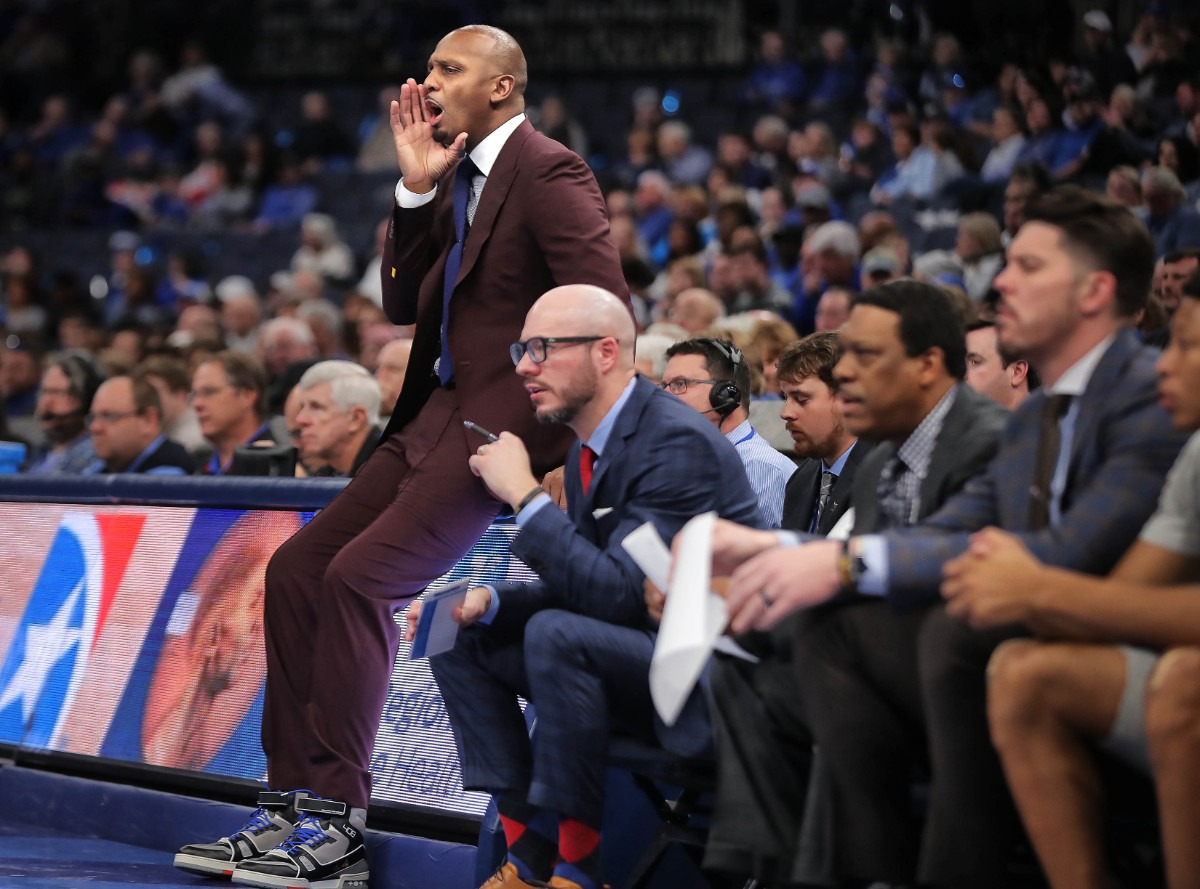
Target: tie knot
[
  {"x": 466, "y": 168},
  {"x": 1057, "y": 405}
]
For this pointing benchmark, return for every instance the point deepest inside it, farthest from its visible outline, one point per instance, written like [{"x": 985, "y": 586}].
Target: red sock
[{"x": 579, "y": 848}]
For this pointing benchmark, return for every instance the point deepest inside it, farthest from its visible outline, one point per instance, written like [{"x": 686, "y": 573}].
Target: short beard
[{"x": 575, "y": 394}]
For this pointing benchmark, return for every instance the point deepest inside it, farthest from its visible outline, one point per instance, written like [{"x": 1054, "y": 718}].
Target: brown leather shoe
[
  {"x": 557, "y": 882},
  {"x": 506, "y": 878}
]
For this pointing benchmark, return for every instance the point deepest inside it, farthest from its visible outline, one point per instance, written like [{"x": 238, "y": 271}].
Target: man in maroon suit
[{"x": 489, "y": 215}]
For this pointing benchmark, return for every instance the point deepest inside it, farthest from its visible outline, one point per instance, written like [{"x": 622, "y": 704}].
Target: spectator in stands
[
  {"x": 376, "y": 150},
  {"x": 170, "y": 378},
  {"x": 980, "y": 251},
  {"x": 126, "y": 425},
  {"x": 241, "y": 312},
  {"x": 370, "y": 284},
  {"x": 914, "y": 175},
  {"x": 287, "y": 200},
  {"x": 652, "y": 213},
  {"x": 1004, "y": 380},
  {"x": 1108, "y": 63},
  {"x": 1025, "y": 183},
  {"x": 753, "y": 287},
  {"x": 683, "y": 162},
  {"x": 229, "y": 397},
  {"x": 319, "y": 141},
  {"x": 325, "y": 322},
  {"x": 322, "y": 251},
  {"x": 1178, "y": 266},
  {"x": 1007, "y": 142},
  {"x": 834, "y": 252},
  {"x": 285, "y": 341},
  {"x": 69, "y": 383},
  {"x": 695, "y": 309},
  {"x": 555, "y": 120},
  {"x": 199, "y": 91},
  {"x": 1124, "y": 185},
  {"x": 836, "y": 79},
  {"x": 338, "y": 417},
  {"x": 833, "y": 309},
  {"x": 733, "y": 156},
  {"x": 879, "y": 265},
  {"x": 20, "y": 376},
  {"x": 1172, "y": 222},
  {"x": 769, "y": 336},
  {"x": 390, "y": 372},
  {"x": 651, "y": 355},
  {"x": 1180, "y": 155},
  {"x": 776, "y": 84},
  {"x": 713, "y": 377}
]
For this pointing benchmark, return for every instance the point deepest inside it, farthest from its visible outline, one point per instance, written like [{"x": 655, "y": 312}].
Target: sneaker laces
[
  {"x": 259, "y": 821},
  {"x": 308, "y": 832}
]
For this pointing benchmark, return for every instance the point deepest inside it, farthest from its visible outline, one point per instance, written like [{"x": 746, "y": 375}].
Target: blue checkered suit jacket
[
  {"x": 1122, "y": 448},
  {"x": 663, "y": 463}
]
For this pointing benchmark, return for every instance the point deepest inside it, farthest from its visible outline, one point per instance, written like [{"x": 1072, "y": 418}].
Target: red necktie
[{"x": 587, "y": 459}]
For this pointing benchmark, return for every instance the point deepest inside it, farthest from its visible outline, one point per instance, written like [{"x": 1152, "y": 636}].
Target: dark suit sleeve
[
  {"x": 680, "y": 476},
  {"x": 409, "y": 252},
  {"x": 571, "y": 226},
  {"x": 1109, "y": 502}
]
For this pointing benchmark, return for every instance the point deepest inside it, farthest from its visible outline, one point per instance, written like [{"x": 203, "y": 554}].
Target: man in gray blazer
[
  {"x": 1078, "y": 474},
  {"x": 899, "y": 381}
]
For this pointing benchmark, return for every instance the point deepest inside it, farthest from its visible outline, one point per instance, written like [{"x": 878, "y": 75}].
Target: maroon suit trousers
[{"x": 412, "y": 511}]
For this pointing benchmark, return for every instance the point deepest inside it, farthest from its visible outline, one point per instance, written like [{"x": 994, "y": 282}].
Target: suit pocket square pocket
[{"x": 601, "y": 512}]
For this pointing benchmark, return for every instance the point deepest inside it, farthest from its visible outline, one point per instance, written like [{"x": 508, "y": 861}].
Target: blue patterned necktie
[
  {"x": 893, "y": 506},
  {"x": 463, "y": 179},
  {"x": 827, "y": 480}
]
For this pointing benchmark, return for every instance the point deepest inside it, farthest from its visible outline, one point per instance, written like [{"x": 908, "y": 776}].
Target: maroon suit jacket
[{"x": 541, "y": 222}]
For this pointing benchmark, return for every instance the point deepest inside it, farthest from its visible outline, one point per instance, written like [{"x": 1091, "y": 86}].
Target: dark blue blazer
[
  {"x": 663, "y": 463},
  {"x": 1122, "y": 447}
]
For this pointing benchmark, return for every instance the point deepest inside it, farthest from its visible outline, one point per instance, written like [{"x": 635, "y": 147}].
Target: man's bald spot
[
  {"x": 587, "y": 310},
  {"x": 505, "y": 54}
]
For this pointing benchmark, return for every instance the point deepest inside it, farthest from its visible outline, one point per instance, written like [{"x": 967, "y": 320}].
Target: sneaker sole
[
  {"x": 205, "y": 867},
  {"x": 358, "y": 880}
]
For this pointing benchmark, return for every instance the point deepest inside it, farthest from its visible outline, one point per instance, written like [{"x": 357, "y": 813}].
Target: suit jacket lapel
[
  {"x": 839, "y": 498},
  {"x": 626, "y": 424},
  {"x": 1105, "y": 378},
  {"x": 495, "y": 192},
  {"x": 954, "y": 427}
]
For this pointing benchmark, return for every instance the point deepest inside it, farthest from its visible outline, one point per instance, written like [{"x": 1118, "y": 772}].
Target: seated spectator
[
  {"x": 170, "y": 378},
  {"x": 695, "y": 309},
  {"x": 1172, "y": 222},
  {"x": 990, "y": 372},
  {"x": 1124, "y": 186},
  {"x": 1181, "y": 156},
  {"x": 241, "y": 312},
  {"x": 553, "y": 119},
  {"x": 126, "y": 425},
  {"x": 753, "y": 288},
  {"x": 652, "y": 214},
  {"x": 390, "y": 372},
  {"x": 1113, "y": 667},
  {"x": 338, "y": 417},
  {"x": 769, "y": 336},
  {"x": 1007, "y": 142},
  {"x": 777, "y": 83},
  {"x": 914, "y": 174},
  {"x": 980, "y": 251},
  {"x": 836, "y": 79},
  {"x": 322, "y": 251},
  {"x": 1178, "y": 267},
  {"x": 713, "y": 377},
  {"x": 69, "y": 383},
  {"x": 1026, "y": 182},
  {"x": 318, "y": 140},
  {"x": 376, "y": 146},
  {"x": 683, "y": 162},
  {"x": 879, "y": 265},
  {"x": 229, "y": 397},
  {"x": 20, "y": 375},
  {"x": 285, "y": 341},
  {"x": 286, "y": 201},
  {"x": 833, "y": 309}
]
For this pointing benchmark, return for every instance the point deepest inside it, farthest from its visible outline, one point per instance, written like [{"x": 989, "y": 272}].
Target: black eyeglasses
[
  {"x": 679, "y": 385},
  {"x": 538, "y": 347}
]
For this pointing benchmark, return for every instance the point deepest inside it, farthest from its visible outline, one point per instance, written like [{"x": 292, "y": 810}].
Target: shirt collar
[
  {"x": 1075, "y": 380},
  {"x": 839, "y": 465},
  {"x": 485, "y": 153},
  {"x": 604, "y": 428},
  {"x": 740, "y": 432},
  {"x": 150, "y": 449},
  {"x": 917, "y": 450}
]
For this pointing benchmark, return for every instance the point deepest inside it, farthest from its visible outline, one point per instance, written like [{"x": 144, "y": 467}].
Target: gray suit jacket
[{"x": 969, "y": 439}]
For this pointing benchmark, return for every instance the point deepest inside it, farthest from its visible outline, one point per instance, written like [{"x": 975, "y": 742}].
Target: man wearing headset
[{"x": 711, "y": 376}]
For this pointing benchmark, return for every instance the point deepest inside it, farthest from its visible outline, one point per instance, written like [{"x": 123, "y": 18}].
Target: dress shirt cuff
[
  {"x": 532, "y": 508},
  {"x": 410, "y": 200},
  {"x": 490, "y": 615},
  {"x": 790, "y": 538},
  {"x": 872, "y": 549}
]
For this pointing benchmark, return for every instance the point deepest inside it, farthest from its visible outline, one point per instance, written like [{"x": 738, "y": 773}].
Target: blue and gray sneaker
[
  {"x": 271, "y": 824},
  {"x": 324, "y": 851}
]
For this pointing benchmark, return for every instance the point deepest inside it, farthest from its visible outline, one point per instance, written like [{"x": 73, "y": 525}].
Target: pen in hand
[{"x": 479, "y": 430}]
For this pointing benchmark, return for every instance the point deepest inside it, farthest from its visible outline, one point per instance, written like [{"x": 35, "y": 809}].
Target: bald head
[
  {"x": 577, "y": 379},
  {"x": 505, "y": 54},
  {"x": 585, "y": 310}
]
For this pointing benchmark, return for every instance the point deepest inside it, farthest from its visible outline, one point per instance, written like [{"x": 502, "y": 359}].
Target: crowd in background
[{"x": 833, "y": 164}]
